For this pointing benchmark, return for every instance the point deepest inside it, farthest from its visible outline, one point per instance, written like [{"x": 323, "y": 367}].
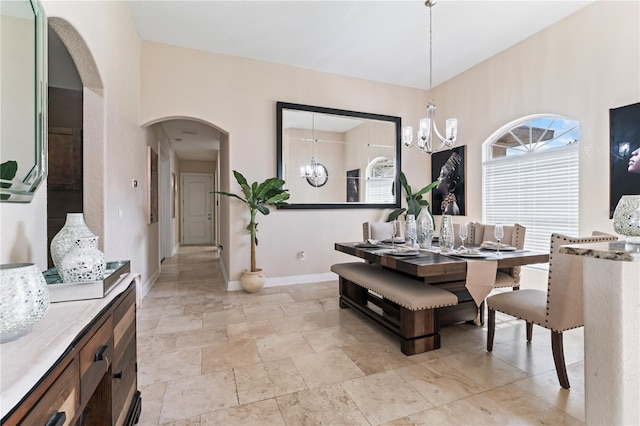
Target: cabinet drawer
[
  {"x": 61, "y": 401},
  {"x": 95, "y": 358}
]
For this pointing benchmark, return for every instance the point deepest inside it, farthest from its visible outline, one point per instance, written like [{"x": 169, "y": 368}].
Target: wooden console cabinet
[{"x": 93, "y": 381}]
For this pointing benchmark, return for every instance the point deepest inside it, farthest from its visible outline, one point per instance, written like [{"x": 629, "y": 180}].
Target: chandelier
[
  {"x": 428, "y": 128},
  {"x": 315, "y": 172}
]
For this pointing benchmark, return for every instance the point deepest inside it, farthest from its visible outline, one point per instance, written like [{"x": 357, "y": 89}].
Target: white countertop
[
  {"x": 23, "y": 362},
  {"x": 617, "y": 251}
]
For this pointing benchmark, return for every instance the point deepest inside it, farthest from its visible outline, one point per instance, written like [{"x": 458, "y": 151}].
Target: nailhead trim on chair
[{"x": 568, "y": 240}]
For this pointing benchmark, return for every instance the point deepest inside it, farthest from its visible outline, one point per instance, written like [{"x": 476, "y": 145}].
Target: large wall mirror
[
  {"x": 23, "y": 94},
  {"x": 332, "y": 158}
]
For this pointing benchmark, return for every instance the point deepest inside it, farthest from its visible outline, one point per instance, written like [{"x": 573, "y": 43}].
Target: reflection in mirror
[
  {"x": 332, "y": 158},
  {"x": 23, "y": 99}
]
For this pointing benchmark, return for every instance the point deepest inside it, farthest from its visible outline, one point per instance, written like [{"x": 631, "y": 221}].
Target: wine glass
[
  {"x": 393, "y": 232},
  {"x": 464, "y": 233},
  {"x": 498, "y": 233},
  {"x": 411, "y": 233}
]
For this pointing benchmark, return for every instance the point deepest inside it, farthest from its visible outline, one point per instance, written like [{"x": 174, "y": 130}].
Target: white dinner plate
[
  {"x": 468, "y": 255},
  {"x": 493, "y": 248},
  {"x": 400, "y": 252},
  {"x": 367, "y": 245},
  {"x": 395, "y": 240}
]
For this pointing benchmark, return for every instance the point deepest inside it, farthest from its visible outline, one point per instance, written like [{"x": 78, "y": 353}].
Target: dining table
[{"x": 446, "y": 270}]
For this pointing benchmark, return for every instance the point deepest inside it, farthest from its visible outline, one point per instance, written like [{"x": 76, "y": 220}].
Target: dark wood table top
[{"x": 429, "y": 264}]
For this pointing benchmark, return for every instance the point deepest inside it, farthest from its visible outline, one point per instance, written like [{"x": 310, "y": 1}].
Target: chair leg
[
  {"x": 558, "y": 358},
  {"x": 529, "y": 331},
  {"x": 491, "y": 328}
]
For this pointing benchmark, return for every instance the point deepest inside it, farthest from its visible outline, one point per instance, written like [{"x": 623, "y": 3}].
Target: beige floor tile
[
  {"x": 178, "y": 324},
  {"x": 263, "y": 350},
  {"x": 234, "y": 314},
  {"x": 201, "y": 338},
  {"x": 546, "y": 387},
  {"x": 372, "y": 357},
  {"x": 320, "y": 406},
  {"x": 384, "y": 397},
  {"x": 162, "y": 366},
  {"x": 501, "y": 406},
  {"x": 438, "y": 382},
  {"x": 324, "y": 339},
  {"x": 325, "y": 368},
  {"x": 186, "y": 398},
  {"x": 229, "y": 355},
  {"x": 262, "y": 312},
  {"x": 152, "y": 396},
  {"x": 299, "y": 323},
  {"x": 263, "y": 413},
  {"x": 282, "y": 346}
]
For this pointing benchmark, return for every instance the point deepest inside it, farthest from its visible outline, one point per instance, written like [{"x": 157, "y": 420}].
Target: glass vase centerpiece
[
  {"x": 447, "y": 237},
  {"x": 626, "y": 218},
  {"x": 24, "y": 299},
  {"x": 65, "y": 239},
  {"x": 425, "y": 228},
  {"x": 411, "y": 231},
  {"x": 84, "y": 262}
]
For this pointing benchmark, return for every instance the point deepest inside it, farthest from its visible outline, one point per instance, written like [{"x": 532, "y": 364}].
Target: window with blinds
[
  {"x": 531, "y": 177},
  {"x": 380, "y": 174}
]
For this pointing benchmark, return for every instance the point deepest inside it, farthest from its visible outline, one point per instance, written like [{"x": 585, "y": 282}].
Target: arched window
[
  {"x": 531, "y": 175},
  {"x": 380, "y": 173}
]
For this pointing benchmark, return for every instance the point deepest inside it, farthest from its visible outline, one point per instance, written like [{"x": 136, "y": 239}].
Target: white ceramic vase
[
  {"x": 24, "y": 299},
  {"x": 626, "y": 218},
  {"x": 252, "y": 282},
  {"x": 84, "y": 262},
  {"x": 65, "y": 239}
]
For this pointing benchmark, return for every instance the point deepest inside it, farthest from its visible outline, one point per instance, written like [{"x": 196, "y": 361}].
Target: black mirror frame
[{"x": 280, "y": 106}]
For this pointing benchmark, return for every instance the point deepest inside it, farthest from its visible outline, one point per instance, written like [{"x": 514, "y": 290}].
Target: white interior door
[{"x": 197, "y": 206}]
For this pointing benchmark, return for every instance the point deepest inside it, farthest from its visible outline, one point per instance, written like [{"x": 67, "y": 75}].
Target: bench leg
[
  {"x": 351, "y": 291},
  {"x": 419, "y": 330}
]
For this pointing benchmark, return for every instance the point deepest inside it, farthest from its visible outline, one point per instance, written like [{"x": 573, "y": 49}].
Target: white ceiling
[{"x": 385, "y": 41}]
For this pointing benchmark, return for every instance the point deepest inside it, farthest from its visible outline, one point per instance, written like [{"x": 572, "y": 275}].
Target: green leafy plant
[
  {"x": 8, "y": 171},
  {"x": 414, "y": 200},
  {"x": 258, "y": 197}
]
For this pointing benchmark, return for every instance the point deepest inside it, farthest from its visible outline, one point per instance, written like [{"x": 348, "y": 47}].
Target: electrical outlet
[{"x": 301, "y": 255}]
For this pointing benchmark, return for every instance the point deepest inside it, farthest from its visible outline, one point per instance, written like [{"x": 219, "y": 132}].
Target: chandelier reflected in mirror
[
  {"x": 427, "y": 128},
  {"x": 315, "y": 172}
]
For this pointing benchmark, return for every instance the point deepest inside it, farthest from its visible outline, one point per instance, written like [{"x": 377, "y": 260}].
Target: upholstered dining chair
[
  {"x": 559, "y": 308},
  {"x": 379, "y": 230},
  {"x": 513, "y": 236}
]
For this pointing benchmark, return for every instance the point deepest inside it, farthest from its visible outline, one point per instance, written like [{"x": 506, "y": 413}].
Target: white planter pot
[{"x": 252, "y": 282}]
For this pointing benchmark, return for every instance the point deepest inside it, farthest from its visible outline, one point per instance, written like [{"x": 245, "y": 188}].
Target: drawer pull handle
[
  {"x": 117, "y": 375},
  {"x": 101, "y": 354},
  {"x": 57, "y": 419}
]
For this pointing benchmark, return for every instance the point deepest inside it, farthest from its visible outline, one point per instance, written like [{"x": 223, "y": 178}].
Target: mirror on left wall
[{"x": 23, "y": 94}]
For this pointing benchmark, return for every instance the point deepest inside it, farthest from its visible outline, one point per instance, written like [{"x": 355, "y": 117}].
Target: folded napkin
[
  {"x": 493, "y": 244},
  {"x": 481, "y": 277}
]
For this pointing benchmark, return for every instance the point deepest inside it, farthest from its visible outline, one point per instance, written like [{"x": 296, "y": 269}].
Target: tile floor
[{"x": 290, "y": 356}]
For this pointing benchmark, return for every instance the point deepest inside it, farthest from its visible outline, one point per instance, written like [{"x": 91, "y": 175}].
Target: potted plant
[
  {"x": 257, "y": 197},
  {"x": 414, "y": 200}
]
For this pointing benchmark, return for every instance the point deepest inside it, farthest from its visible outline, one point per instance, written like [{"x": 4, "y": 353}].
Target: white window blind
[
  {"x": 538, "y": 190},
  {"x": 380, "y": 175}
]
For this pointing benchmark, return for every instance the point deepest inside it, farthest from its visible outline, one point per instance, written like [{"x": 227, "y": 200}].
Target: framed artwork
[
  {"x": 152, "y": 185},
  {"x": 624, "y": 153},
  {"x": 353, "y": 186},
  {"x": 174, "y": 194},
  {"x": 449, "y": 197}
]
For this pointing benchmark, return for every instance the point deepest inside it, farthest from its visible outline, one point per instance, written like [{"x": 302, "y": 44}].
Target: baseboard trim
[
  {"x": 146, "y": 287},
  {"x": 287, "y": 280}
]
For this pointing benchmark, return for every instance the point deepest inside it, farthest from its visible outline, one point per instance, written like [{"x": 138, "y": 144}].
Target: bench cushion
[{"x": 412, "y": 294}]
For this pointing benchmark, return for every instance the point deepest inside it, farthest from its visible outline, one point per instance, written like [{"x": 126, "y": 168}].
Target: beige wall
[
  {"x": 190, "y": 166},
  {"x": 575, "y": 68},
  {"x": 580, "y": 67},
  {"x": 116, "y": 153}
]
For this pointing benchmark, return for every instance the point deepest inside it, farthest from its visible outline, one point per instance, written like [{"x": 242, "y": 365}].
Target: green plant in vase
[
  {"x": 415, "y": 202},
  {"x": 258, "y": 197}
]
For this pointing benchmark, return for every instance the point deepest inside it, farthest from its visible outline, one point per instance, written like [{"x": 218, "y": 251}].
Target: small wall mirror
[
  {"x": 332, "y": 158},
  {"x": 23, "y": 94}
]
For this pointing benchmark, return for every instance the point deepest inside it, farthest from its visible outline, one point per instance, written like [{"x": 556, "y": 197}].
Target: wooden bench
[{"x": 405, "y": 306}]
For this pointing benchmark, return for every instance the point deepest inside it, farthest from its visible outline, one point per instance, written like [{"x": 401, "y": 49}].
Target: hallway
[{"x": 289, "y": 355}]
